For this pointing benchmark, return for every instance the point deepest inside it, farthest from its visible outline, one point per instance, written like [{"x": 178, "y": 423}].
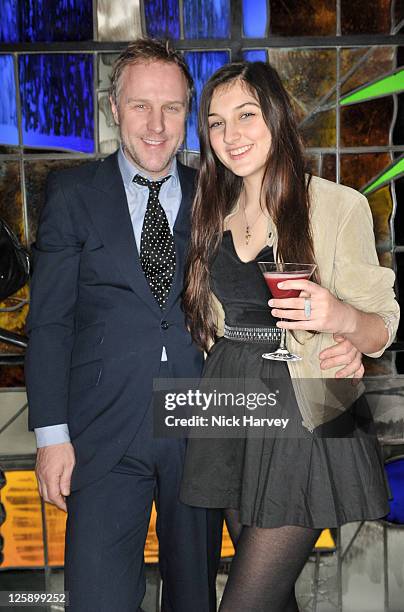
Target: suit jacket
[{"x": 95, "y": 330}]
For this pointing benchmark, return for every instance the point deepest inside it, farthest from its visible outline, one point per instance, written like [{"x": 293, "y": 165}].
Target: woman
[{"x": 254, "y": 202}]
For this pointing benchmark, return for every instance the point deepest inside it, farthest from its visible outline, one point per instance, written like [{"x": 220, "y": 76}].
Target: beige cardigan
[{"x": 348, "y": 266}]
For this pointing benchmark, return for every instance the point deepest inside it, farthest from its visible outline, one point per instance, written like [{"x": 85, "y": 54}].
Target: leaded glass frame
[{"x": 115, "y": 21}]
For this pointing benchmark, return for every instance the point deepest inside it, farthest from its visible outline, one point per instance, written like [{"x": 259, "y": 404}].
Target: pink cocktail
[
  {"x": 272, "y": 281},
  {"x": 275, "y": 273}
]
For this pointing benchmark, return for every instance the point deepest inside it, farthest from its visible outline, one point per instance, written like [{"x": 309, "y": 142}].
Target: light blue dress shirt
[{"x": 137, "y": 196}]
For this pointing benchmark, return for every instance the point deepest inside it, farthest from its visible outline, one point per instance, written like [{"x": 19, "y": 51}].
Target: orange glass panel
[{"x": 22, "y": 529}]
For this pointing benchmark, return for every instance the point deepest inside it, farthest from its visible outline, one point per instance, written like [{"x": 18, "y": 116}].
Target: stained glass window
[
  {"x": 8, "y": 106},
  {"x": 46, "y": 20},
  {"x": 202, "y": 65},
  {"x": 57, "y": 101},
  {"x": 255, "y": 18},
  {"x": 36, "y": 173},
  {"x": 297, "y": 18},
  {"x": 118, "y": 20},
  {"x": 162, "y": 18},
  {"x": 57, "y": 91},
  {"x": 255, "y": 55},
  {"x": 374, "y": 18},
  {"x": 310, "y": 79},
  {"x": 207, "y": 19},
  {"x": 9, "y": 23}
]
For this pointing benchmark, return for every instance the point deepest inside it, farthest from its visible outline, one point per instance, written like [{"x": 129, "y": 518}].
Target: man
[{"x": 105, "y": 319}]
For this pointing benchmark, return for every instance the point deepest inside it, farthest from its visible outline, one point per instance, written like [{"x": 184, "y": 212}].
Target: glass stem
[{"x": 282, "y": 344}]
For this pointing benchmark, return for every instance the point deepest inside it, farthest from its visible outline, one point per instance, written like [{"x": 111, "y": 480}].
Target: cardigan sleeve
[{"x": 359, "y": 279}]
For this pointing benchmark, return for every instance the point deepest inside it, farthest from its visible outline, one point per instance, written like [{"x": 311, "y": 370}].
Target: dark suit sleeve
[{"x": 50, "y": 324}]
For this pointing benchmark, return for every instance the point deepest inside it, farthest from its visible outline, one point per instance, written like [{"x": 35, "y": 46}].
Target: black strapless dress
[{"x": 273, "y": 481}]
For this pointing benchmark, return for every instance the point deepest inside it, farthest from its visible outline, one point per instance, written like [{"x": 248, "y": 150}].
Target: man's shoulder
[{"x": 84, "y": 172}]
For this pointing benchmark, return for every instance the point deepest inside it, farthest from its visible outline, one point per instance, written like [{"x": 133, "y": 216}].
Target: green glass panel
[
  {"x": 386, "y": 86},
  {"x": 296, "y": 18},
  {"x": 391, "y": 173},
  {"x": 367, "y": 124}
]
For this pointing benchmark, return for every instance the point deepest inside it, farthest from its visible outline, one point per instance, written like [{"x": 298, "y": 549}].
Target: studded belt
[{"x": 271, "y": 335}]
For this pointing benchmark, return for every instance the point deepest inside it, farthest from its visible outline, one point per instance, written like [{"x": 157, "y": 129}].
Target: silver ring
[{"x": 307, "y": 308}]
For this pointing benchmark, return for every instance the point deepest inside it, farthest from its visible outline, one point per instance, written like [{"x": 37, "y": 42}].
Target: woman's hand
[{"x": 316, "y": 309}]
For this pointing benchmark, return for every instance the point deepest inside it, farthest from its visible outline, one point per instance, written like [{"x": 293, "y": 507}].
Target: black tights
[{"x": 266, "y": 566}]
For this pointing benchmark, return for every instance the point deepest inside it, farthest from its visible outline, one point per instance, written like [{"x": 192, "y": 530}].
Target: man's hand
[
  {"x": 54, "y": 467},
  {"x": 343, "y": 353}
]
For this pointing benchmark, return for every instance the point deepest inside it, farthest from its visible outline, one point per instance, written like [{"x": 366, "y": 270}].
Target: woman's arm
[
  {"x": 364, "y": 308},
  {"x": 366, "y": 331}
]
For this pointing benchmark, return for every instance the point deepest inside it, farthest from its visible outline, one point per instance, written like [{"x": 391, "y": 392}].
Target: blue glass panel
[
  {"x": 202, "y": 65},
  {"x": 57, "y": 101},
  {"x": 207, "y": 19},
  {"x": 255, "y": 55},
  {"x": 162, "y": 18},
  {"x": 53, "y": 20},
  {"x": 8, "y": 106},
  {"x": 255, "y": 18},
  {"x": 9, "y": 26},
  {"x": 395, "y": 476}
]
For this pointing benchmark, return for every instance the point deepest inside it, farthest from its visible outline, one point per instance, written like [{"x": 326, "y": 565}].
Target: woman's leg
[{"x": 265, "y": 568}]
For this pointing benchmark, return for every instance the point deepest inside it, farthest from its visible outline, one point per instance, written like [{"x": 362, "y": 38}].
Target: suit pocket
[
  {"x": 85, "y": 376},
  {"x": 86, "y": 342}
]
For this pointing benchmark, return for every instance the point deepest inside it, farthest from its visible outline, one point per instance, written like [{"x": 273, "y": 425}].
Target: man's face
[{"x": 151, "y": 112}]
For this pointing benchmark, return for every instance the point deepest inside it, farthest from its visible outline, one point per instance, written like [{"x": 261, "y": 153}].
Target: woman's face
[{"x": 237, "y": 131}]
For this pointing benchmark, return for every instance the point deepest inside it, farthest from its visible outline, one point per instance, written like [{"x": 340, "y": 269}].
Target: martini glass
[{"x": 275, "y": 273}]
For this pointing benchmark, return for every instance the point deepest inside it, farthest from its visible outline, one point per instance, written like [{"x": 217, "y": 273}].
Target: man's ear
[{"x": 114, "y": 109}]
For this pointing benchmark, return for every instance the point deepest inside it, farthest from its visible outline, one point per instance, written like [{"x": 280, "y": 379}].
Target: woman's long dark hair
[{"x": 284, "y": 190}]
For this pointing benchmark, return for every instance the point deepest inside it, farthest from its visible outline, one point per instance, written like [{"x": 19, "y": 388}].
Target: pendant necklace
[{"x": 248, "y": 226}]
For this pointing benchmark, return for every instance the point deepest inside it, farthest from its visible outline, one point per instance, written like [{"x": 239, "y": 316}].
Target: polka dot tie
[{"x": 157, "y": 250}]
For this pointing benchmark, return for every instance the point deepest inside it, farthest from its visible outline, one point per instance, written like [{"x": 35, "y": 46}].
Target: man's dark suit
[{"x": 95, "y": 340}]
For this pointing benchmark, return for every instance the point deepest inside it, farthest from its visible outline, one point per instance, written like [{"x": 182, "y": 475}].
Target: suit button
[{"x": 165, "y": 325}]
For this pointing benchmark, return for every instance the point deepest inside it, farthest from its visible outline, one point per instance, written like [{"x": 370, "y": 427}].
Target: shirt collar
[{"x": 129, "y": 170}]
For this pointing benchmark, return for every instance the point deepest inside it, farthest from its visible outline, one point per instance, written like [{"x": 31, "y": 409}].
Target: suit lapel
[{"x": 107, "y": 205}]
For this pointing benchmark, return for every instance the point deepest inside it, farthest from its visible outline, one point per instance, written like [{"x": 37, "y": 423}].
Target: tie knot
[{"x": 154, "y": 186}]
